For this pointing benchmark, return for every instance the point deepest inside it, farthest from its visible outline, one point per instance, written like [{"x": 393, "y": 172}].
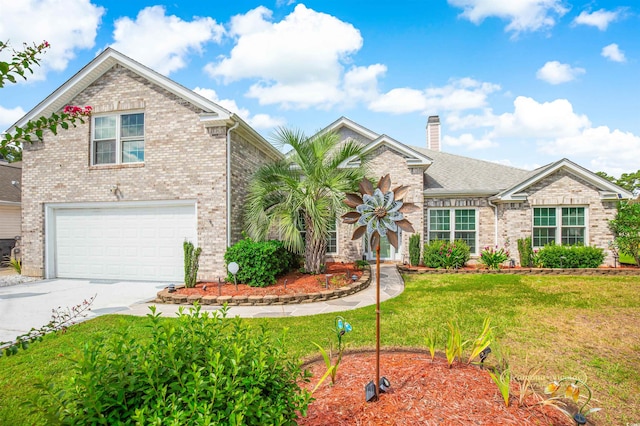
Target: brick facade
[
  {"x": 382, "y": 161},
  {"x": 183, "y": 161},
  {"x": 561, "y": 189}
]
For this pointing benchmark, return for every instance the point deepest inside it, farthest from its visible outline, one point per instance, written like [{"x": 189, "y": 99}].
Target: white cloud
[
  {"x": 361, "y": 83},
  {"x": 554, "y": 72},
  {"x": 600, "y": 146},
  {"x": 163, "y": 42},
  {"x": 400, "y": 101},
  {"x": 458, "y": 95},
  {"x": 258, "y": 121},
  {"x": 532, "y": 119},
  {"x": 557, "y": 130},
  {"x": 298, "y": 61},
  {"x": 599, "y": 19},
  {"x": 523, "y": 15},
  {"x": 613, "y": 53},
  {"x": 68, "y": 25},
  {"x": 456, "y": 121},
  {"x": 8, "y": 116},
  {"x": 468, "y": 141}
]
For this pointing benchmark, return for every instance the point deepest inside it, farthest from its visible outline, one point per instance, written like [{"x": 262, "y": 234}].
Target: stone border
[
  {"x": 363, "y": 282},
  {"x": 403, "y": 269}
]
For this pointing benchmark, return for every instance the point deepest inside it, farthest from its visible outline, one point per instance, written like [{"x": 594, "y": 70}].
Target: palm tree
[{"x": 303, "y": 193}]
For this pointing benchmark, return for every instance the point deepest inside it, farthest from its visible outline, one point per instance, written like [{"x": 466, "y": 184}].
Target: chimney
[{"x": 433, "y": 132}]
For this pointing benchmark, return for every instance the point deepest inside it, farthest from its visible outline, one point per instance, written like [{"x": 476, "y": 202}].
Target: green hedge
[
  {"x": 414, "y": 249},
  {"x": 554, "y": 256},
  {"x": 445, "y": 254},
  {"x": 260, "y": 261},
  {"x": 204, "y": 370}
]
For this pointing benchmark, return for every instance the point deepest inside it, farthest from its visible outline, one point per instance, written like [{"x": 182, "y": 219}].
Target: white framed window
[
  {"x": 559, "y": 225},
  {"x": 117, "y": 139},
  {"x": 332, "y": 238},
  {"x": 454, "y": 224}
]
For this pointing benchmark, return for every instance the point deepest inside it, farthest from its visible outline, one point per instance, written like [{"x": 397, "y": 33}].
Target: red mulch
[
  {"x": 422, "y": 393},
  {"x": 297, "y": 283}
]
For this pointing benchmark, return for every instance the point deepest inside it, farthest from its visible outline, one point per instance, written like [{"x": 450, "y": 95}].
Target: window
[
  {"x": 453, "y": 224},
  {"x": 118, "y": 139},
  {"x": 570, "y": 230},
  {"x": 332, "y": 238}
]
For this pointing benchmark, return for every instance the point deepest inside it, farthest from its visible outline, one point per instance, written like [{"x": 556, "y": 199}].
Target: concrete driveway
[{"x": 28, "y": 305}]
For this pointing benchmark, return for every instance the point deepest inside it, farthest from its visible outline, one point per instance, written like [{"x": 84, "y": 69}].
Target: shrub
[
  {"x": 493, "y": 257},
  {"x": 414, "y": 249},
  {"x": 445, "y": 254},
  {"x": 525, "y": 251},
  {"x": 626, "y": 228},
  {"x": 361, "y": 264},
  {"x": 191, "y": 263},
  {"x": 260, "y": 261},
  {"x": 554, "y": 256},
  {"x": 204, "y": 370}
]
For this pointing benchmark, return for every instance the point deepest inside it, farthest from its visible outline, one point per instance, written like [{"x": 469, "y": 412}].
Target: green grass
[
  {"x": 627, "y": 258},
  {"x": 569, "y": 326}
]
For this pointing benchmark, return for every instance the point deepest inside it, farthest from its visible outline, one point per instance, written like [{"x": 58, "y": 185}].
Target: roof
[
  {"x": 212, "y": 113},
  {"x": 608, "y": 190},
  {"x": 9, "y": 173},
  {"x": 452, "y": 174}
]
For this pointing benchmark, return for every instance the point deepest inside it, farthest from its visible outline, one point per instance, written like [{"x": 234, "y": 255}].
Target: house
[
  {"x": 481, "y": 202},
  {"x": 157, "y": 164},
  {"x": 10, "y": 177}
]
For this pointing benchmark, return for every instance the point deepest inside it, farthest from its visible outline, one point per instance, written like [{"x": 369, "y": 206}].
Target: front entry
[{"x": 387, "y": 251}]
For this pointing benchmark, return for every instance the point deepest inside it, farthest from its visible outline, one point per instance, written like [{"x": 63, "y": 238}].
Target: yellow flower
[
  {"x": 573, "y": 391},
  {"x": 552, "y": 388}
]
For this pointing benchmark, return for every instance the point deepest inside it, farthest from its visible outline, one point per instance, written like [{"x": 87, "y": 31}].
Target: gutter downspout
[
  {"x": 495, "y": 220},
  {"x": 237, "y": 123}
]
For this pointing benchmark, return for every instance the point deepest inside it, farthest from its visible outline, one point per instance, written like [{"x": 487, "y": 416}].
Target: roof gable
[
  {"x": 98, "y": 67},
  {"x": 343, "y": 123},
  {"x": 413, "y": 157},
  {"x": 608, "y": 190}
]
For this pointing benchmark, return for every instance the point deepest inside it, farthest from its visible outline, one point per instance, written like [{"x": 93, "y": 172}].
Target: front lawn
[{"x": 585, "y": 327}]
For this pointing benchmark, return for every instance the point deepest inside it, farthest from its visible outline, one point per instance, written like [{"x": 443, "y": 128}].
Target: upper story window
[
  {"x": 570, "y": 229},
  {"x": 118, "y": 139},
  {"x": 453, "y": 224}
]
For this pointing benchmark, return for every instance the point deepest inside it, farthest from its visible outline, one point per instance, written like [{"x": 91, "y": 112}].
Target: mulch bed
[
  {"x": 422, "y": 393},
  {"x": 296, "y": 283}
]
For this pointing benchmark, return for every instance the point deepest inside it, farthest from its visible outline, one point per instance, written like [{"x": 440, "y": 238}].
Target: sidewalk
[{"x": 391, "y": 285}]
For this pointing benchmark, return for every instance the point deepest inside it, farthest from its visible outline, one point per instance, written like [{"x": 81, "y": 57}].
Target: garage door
[{"x": 131, "y": 243}]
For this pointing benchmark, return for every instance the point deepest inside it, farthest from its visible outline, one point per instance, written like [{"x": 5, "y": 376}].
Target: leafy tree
[
  {"x": 626, "y": 227},
  {"x": 20, "y": 63},
  {"x": 628, "y": 181},
  {"x": 303, "y": 192}
]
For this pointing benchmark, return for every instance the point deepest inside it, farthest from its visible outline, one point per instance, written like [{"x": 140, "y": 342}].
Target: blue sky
[{"x": 521, "y": 82}]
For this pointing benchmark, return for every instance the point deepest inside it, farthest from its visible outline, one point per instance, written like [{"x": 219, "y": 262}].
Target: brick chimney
[{"x": 433, "y": 132}]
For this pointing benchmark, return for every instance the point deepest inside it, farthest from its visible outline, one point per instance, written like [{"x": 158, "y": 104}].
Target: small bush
[
  {"x": 361, "y": 264},
  {"x": 525, "y": 251},
  {"x": 554, "y": 256},
  {"x": 191, "y": 263},
  {"x": 414, "y": 249},
  {"x": 204, "y": 370},
  {"x": 445, "y": 254},
  {"x": 492, "y": 258},
  {"x": 260, "y": 261}
]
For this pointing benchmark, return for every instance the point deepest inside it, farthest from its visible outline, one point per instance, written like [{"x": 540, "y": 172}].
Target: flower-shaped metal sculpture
[{"x": 379, "y": 212}]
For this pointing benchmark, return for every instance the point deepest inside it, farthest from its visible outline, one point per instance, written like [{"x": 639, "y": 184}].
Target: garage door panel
[{"x": 137, "y": 243}]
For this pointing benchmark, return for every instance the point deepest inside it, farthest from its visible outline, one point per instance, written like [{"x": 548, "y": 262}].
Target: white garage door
[{"x": 131, "y": 243}]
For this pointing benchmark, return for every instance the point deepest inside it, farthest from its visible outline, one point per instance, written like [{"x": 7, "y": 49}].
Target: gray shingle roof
[
  {"x": 10, "y": 172},
  {"x": 455, "y": 174}
]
